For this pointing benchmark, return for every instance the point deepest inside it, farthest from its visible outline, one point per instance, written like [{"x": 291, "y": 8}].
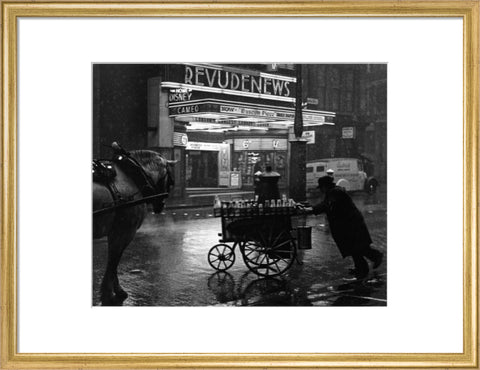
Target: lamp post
[
  {"x": 298, "y": 147},
  {"x": 298, "y": 123}
]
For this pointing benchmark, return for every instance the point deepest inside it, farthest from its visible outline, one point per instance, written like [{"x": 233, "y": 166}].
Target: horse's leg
[
  {"x": 118, "y": 239},
  {"x": 119, "y": 292}
]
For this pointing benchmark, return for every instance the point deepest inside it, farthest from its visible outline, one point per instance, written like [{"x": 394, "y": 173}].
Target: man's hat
[
  {"x": 330, "y": 170},
  {"x": 326, "y": 181}
]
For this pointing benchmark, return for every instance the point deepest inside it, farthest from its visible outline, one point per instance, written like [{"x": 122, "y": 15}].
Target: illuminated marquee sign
[
  {"x": 179, "y": 95},
  {"x": 224, "y": 78},
  {"x": 247, "y": 111},
  {"x": 185, "y": 109},
  {"x": 191, "y": 108},
  {"x": 198, "y": 145},
  {"x": 262, "y": 113},
  {"x": 260, "y": 144},
  {"x": 313, "y": 118}
]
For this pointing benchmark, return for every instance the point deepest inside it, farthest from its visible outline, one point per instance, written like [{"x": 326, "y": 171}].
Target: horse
[{"x": 120, "y": 223}]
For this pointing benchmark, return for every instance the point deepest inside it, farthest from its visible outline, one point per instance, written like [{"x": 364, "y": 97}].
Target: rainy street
[{"x": 166, "y": 265}]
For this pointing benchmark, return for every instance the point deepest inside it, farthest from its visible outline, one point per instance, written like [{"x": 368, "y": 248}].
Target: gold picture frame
[{"x": 467, "y": 10}]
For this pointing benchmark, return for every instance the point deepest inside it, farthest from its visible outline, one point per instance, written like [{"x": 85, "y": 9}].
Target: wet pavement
[{"x": 166, "y": 265}]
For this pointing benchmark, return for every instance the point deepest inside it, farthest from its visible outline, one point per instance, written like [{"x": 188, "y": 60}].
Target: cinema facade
[{"x": 224, "y": 123}]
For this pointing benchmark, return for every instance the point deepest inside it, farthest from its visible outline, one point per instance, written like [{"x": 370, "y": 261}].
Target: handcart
[{"x": 264, "y": 234}]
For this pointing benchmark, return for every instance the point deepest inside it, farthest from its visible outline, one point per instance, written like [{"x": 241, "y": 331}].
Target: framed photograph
[{"x": 240, "y": 184}]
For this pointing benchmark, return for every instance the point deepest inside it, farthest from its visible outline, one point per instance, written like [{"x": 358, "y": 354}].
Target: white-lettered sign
[
  {"x": 348, "y": 132},
  {"x": 309, "y": 136},
  {"x": 198, "y": 145}
]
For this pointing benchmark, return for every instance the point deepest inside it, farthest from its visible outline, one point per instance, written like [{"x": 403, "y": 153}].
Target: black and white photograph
[
  {"x": 261, "y": 184},
  {"x": 213, "y": 163}
]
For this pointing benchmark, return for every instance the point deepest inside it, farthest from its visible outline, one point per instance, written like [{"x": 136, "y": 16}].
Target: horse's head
[
  {"x": 160, "y": 171},
  {"x": 164, "y": 185}
]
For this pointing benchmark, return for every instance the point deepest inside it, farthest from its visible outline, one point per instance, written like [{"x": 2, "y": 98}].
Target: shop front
[
  {"x": 206, "y": 164},
  {"x": 226, "y": 123},
  {"x": 255, "y": 154}
]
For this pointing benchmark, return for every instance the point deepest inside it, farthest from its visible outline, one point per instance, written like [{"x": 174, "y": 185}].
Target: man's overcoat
[{"x": 347, "y": 225}]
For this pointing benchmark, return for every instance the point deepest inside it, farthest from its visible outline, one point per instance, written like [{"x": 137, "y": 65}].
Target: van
[{"x": 348, "y": 174}]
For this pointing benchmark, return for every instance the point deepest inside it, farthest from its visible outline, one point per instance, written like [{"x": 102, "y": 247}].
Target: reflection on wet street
[
  {"x": 250, "y": 290},
  {"x": 166, "y": 265}
]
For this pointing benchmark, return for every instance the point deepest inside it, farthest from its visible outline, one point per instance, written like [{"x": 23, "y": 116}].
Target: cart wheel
[
  {"x": 271, "y": 254},
  {"x": 221, "y": 257}
]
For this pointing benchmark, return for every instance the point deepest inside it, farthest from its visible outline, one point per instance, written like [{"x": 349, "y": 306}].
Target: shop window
[
  {"x": 202, "y": 169},
  {"x": 249, "y": 162}
]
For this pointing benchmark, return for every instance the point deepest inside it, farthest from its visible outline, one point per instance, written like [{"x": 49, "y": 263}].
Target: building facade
[
  {"x": 358, "y": 95},
  {"x": 223, "y": 123}
]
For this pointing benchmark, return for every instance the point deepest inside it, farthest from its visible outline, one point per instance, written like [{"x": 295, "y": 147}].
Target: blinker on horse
[{"x": 121, "y": 189}]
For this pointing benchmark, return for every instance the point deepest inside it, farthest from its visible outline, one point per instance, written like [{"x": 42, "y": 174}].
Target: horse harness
[{"x": 104, "y": 172}]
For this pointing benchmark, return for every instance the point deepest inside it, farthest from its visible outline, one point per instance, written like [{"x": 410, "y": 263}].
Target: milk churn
[{"x": 304, "y": 237}]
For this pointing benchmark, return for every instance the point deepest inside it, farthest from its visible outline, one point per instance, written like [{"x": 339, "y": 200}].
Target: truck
[{"x": 348, "y": 173}]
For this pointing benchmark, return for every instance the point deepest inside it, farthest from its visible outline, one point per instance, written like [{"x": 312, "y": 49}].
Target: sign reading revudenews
[{"x": 224, "y": 78}]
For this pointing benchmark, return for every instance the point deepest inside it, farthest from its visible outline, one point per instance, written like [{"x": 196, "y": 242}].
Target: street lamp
[{"x": 298, "y": 123}]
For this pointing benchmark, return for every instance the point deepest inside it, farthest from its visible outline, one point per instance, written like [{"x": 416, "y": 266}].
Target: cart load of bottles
[{"x": 251, "y": 208}]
